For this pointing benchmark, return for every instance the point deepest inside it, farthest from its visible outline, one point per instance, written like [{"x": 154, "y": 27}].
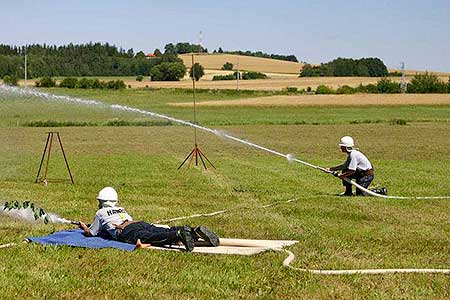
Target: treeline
[
  {"x": 260, "y": 54},
  {"x": 364, "y": 67},
  {"x": 182, "y": 48},
  {"x": 92, "y": 59},
  {"x": 419, "y": 84}
]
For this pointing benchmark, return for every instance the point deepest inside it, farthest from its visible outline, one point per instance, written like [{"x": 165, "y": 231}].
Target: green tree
[
  {"x": 168, "y": 71},
  {"x": 427, "y": 83},
  {"x": 197, "y": 71},
  {"x": 157, "y": 52},
  {"x": 227, "y": 66}
]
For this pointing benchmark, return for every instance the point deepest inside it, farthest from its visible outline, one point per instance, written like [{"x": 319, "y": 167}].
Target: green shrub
[
  {"x": 139, "y": 78},
  {"x": 253, "y": 75},
  {"x": 345, "y": 89},
  {"x": 227, "y": 66},
  {"x": 395, "y": 74},
  {"x": 370, "y": 88},
  {"x": 225, "y": 77},
  {"x": 84, "y": 83},
  {"x": 45, "y": 82},
  {"x": 115, "y": 84},
  {"x": 323, "y": 89},
  {"x": 10, "y": 80},
  {"x": 97, "y": 84},
  {"x": 398, "y": 122},
  {"x": 69, "y": 82},
  {"x": 386, "y": 86},
  {"x": 292, "y": 89},
  {"x": 427, "y": 83}
]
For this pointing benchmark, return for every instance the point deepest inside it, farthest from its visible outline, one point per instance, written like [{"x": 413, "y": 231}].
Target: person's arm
[
  {"x": 92, "y": 230},
  {"x": 347, "y": 173},
  {"x": 336, "y": 168},
  {"x": 85, "y": 228}
]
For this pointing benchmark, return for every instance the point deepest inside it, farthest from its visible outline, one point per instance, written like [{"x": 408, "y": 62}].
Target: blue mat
[{"x": 76, "y": 238}]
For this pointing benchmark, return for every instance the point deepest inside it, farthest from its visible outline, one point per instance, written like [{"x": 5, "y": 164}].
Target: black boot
[
  {"x": 185, "y": 237},
  {"x": 203, "y": 236},
  {"x": 380, "y": 191}
]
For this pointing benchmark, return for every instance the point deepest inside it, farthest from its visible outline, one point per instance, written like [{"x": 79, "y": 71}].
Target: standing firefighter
[
  {"x": 113, "y": 221},
  {"x": 357, "y": 166}
]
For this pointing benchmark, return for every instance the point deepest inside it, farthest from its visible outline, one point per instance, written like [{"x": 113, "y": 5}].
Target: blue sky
[{"x": 416, "y": 32}]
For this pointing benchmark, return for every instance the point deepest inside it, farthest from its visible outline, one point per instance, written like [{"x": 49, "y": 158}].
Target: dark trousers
[
  {"x": 149, "y": 234},
  {"x": 362, "y": 180}
]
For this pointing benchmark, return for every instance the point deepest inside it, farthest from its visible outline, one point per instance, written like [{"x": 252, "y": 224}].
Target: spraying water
[
  {"x": 117, "y": 107},
  {"x": 27, "y": 211},
  {"x": 289, "y": 157}
]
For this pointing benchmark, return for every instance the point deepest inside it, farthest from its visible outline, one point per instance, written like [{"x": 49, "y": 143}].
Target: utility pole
[
  {"x": 403, "y": 84},
  {"x": 238, "y": 74},
  {"x": 25, "y": 83}
]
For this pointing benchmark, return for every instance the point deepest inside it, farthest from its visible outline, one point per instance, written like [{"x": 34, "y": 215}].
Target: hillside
[{"x": 247, "y": 63}]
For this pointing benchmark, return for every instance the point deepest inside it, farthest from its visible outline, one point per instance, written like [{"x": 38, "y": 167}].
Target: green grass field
[{"x": 140, "y": 162}]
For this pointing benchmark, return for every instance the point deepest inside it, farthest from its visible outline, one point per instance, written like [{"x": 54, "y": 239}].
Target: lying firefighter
[
  {"x": 357, "y": 166},
  {"x": 113, "y": 221}
]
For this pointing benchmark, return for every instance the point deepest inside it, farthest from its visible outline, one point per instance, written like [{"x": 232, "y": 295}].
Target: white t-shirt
[
  {"x": 357, "y": 161},
  {"x": 107, "y": 218}
]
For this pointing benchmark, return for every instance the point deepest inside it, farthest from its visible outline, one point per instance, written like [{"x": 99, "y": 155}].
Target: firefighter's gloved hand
[{"x": 335, "y": 173}]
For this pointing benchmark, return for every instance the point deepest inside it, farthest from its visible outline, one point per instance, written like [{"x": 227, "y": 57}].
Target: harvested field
[
  {"x": 246, "y": 63},
  {"x": 332, "y": 100}
]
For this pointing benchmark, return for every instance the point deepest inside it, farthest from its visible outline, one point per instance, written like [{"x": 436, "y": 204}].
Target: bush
[
  {"x": 225, "y": 77},
  {"x": 69, "y": 82},
  {"x": 427, "y": 83},
  {"x": 291, "y": 89},
  {"x": 386, "y": 86},
  {"x": 227, "y": 66},
  {"x": 345, "y": 89},
  {"x": 45, "y": 82},
  {"x": 97, "y": 84},
  {"x": 10, "y": 80},
  {"x": 395, "y": 74},
  {"x": 370, "y": 88},
  {"x": 323, "y": 89},
  {"x": 140, "y": 78},
  {"x": 197, "y": 71},
  {"x": 253, "y": 75},
  {"x": 116, "y": 84},
  {"x": 168, "y": 71},
  {"x": 84, "y": 83}
]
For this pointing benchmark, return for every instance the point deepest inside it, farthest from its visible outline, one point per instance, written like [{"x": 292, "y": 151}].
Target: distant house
[{"x": 150, "y": 55}]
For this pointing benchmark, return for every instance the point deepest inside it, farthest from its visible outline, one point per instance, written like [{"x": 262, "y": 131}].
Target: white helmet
[
  {"x": 107, "y": 197},
  {"x": 347, "y": 142}
]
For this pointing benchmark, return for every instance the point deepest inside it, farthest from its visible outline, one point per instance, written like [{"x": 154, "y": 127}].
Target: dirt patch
[{"x": 331, "y": 100}]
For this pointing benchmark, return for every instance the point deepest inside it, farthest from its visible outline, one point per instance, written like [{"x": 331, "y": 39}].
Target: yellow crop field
[{"x": 247, "y": 63}]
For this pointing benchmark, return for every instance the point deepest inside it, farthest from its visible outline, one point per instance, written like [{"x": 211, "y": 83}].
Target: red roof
[{"x": 150, "y": 55}]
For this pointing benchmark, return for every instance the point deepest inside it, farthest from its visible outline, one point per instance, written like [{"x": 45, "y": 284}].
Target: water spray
[
  {"x": 30, "y": 212},
  {"x": 288, "y": 157}
]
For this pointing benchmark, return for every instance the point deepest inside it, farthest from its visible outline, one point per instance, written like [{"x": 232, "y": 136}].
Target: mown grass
[{"x": 333, "y": 232}]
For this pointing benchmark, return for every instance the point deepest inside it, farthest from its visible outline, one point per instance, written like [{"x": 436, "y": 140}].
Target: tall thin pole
[
  {"x": 238, "y": 75},
  {"x": 26, "y": 66},
  {"x": 193, "y": 95}
]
